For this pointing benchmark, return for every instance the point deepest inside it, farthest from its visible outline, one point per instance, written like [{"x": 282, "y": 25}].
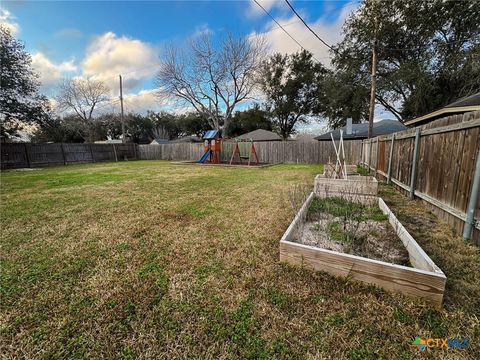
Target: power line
[
  {"x": 281, "y": 27},
  {"x": 110, "y": 102},
  {"x": 269, "y": 31},
  {"x": 308, "y": 27}
]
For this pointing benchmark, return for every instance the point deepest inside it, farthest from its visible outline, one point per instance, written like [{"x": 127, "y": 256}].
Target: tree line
[
  {"x": 143, "y": 128},
  {"x": 428, "y": 56}
]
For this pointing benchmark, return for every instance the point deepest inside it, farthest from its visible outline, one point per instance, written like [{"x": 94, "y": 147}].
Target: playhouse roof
[{"x": 210, "y": 134}]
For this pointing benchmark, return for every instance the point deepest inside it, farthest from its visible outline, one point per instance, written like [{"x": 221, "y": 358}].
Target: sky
[{"x": 102, "y": 39}]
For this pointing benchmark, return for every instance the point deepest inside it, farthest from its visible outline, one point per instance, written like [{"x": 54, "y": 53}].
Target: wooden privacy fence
[
  {"x": 23, "y": 155},
  {"x": 270, "y": 152},
  {"x": 435, "y": 162}
]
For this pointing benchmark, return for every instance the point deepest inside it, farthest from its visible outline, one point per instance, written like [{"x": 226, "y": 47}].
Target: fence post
[
  {"x": 91, "y": 152},
  {"x": 361, "y": 153},
  {"x": 115, "y": 152},
  {"x": 413, "y": 178},
  {"x": 389, "y": 173},
  {"x": 135, "y": 150},
  {"x": 376, "y": 158},
  {"x": 369, "y": 154},
  {"x": 63, "y": 154},
  {"x": 472, "y": 203},
  {"x": 27, "y": 155}
]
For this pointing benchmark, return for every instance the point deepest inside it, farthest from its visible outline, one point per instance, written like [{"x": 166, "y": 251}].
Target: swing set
[
  {"x": 214, "y": 146},
  {"x": 245, "y": 150}
]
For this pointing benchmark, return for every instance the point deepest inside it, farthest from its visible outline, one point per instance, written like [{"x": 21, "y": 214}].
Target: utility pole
[
  {"x": 121, "y": 105},
  {"x": 374, "y": 81}
]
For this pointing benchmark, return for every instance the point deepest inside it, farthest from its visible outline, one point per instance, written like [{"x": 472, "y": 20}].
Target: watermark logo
[
  {"x": 421, "y": 344},
  {"x": 440, "y": 343}
]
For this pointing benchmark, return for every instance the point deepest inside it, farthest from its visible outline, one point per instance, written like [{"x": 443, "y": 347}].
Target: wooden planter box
[
  {"x": 362, "y": 189},
  {"x": 424, "y": 280}
]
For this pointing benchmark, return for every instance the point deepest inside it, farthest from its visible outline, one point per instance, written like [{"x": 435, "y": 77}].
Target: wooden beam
[
  {"x": 299, "y": 217},
  {"x": 452, "y": 211},
  {"x": 444, "y": 111},
  {"x": 390, "y": 158},
  {"x": 63, "y": 154},
  {"x": 27, "y": 155},
  {"x": 416, "y": 150},
  {"x": 443, "y": 129},
  {"x": 115, "y": 152},
  {"x": 412, "y": 282},
  {"x": 418, "y": 258}
]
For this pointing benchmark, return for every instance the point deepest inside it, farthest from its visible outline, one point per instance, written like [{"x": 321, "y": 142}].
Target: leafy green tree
[
  {"x": 139, "y": 128},
  {"x": 346, "y": 97},
  {"x": 428, "y": 52},
  {"x": 57, "y": 130},
  {"x": 164, "y": 125},
  {"x": 20, "y": 101},
  {"x": 193, "y": 124},
  {"x": 249, "y": 120},
  {"x": 293, "y": 86}
]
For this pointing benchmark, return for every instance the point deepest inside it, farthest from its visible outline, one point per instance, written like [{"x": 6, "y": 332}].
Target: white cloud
[
  {"x": 49, "y": 71},
  {"x": 145, "y": 100},
  {"x": 254, "y": 10},
  {"x": 8, "y": 20},
  {"x": 109, "y": 55},
  {"x": 330, "y": 32},
  {"x": 203, "y": 29}
]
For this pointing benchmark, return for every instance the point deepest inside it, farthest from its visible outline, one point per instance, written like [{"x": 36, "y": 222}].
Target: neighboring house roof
[
  {"x": 260, "y": 135},
  {"x": 304, "y": 137},
  {"x": 466, "y": 104},
  {"x": 210, "y": 134},
  {"x": 186, "y": 139},
  {"x": 159, "y": 141},
  {"x": 109, "y": 141},
  {"x": 360, "y": 131}
]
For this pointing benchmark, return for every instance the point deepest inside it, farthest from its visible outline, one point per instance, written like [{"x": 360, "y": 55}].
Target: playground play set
[{"x": 244, "y": 150}]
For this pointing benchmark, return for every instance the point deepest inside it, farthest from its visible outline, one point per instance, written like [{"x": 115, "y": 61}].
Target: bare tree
[
  {"x": 81, "y": 97},
  {"x": 212, "y": 78}
]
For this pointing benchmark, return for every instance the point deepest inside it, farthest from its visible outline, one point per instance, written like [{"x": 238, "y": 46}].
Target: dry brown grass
[{"x": 152, "y": 260}]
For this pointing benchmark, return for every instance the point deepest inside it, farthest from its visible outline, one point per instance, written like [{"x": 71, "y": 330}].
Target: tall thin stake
[{"x": 121, "y": 105}]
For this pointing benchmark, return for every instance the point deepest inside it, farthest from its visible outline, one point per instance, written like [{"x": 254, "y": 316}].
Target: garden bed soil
[{"x": 378, "y": 240}]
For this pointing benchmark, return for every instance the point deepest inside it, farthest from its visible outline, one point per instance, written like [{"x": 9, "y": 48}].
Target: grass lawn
[{"x": 151, "y": 260}]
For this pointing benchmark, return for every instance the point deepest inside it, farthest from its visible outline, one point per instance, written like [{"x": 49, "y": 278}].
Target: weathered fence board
[
  {"x": 36, "y": 155},
  {"x": 446, "y": 164},
  {"x": 271, "y": 152}
]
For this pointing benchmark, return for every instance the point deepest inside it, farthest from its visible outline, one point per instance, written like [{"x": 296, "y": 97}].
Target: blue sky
[{"x": 103, "y": 39}]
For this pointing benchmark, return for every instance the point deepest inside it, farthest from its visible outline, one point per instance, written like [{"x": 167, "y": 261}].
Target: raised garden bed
[
  {"x": 355, "y": 187},
  {"x": 368, "y": 245}
]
